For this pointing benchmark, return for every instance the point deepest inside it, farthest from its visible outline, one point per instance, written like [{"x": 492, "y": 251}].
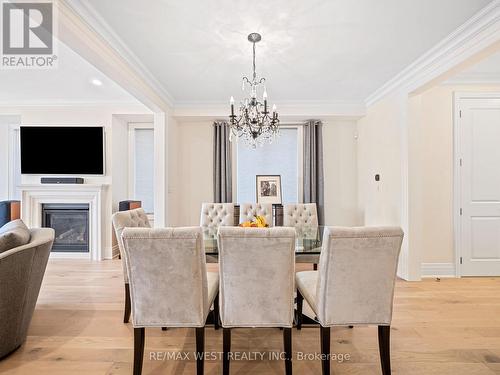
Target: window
[
  {"x": 282, "y": 157},
  {"x": 142, "y": 164}
]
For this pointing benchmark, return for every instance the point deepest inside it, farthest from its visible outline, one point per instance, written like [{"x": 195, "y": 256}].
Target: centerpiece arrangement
[{"x": 257, "y": 222}]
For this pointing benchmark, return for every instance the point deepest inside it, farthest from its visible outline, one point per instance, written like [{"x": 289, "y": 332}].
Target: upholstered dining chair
[
  {"x": 300, "y": 215},
  {"x": 354, "y": 284},
  {"x": 215, "y": 215},
  {"x": 248, "y": 211},
  {"x": 303, "y": 217},
  {"x": 260, "y": 295},
  {"x": 121, "y": 220},
  {"x": 169, "y": 284}
]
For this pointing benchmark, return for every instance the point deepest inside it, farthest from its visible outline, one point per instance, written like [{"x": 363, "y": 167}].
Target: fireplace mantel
[{"x": 34, "y": 195}]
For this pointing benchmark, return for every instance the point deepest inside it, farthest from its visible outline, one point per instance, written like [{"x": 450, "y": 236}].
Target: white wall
[
  {"x": 101, "y": 115},
  {"x": 195, "y": 171},
  {"x": 119, "y": 156},
  {"x": 5, "y": 121}
]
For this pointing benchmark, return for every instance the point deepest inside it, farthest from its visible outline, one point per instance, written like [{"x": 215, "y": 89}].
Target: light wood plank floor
[{"x": 446, "y": 327}]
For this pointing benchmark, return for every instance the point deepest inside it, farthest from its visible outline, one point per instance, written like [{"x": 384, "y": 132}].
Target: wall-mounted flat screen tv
[{"x": 62, "y": 150}]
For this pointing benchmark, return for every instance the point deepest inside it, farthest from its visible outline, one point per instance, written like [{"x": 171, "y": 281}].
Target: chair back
[
  {"x": 257, "y": 267},
  {"x": 300, "y": 215},
  {"x": 167, "y": 275},
  {"x": 214, "y": 215},
  {"x": 357, "y": 272},
  {"x": 136, "y": 218},
  {"x": 248, "y": 211}
]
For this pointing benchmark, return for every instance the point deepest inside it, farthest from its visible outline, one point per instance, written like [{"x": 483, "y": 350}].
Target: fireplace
[{"x": 71, "y": 224}]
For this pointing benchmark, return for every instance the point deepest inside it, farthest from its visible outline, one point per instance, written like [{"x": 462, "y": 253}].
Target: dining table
[{"x": 307, "y": 243}]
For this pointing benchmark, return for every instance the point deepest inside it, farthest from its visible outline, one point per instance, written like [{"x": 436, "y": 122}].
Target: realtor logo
[{"x": 28, "y": 35}]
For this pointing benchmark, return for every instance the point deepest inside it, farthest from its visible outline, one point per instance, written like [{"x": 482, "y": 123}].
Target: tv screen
[{"x": 71, "y": 150}]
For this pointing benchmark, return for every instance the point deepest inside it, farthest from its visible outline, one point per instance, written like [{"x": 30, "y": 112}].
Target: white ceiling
[
  {"x": 321, "y": 50},
  {"x": 70, "y": 82}
]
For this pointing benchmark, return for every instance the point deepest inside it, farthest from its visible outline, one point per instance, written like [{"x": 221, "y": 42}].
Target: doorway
[{"x": 477, "y": 184}]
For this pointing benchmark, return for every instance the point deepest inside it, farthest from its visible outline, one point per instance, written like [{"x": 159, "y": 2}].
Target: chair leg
[
  {"x": 138, "y": 350},
  {"x": 384, "y": 345},
  {"x": 126, "y": 314},
  {"x": 216, "y": 312},
  {"x": 200, "y": 350},
  {"x": 287, "y": 341},
  {"x": 325, "y": 349},
  {"x": 226, "y": 349},
  {"x": 300, "y": 302}
]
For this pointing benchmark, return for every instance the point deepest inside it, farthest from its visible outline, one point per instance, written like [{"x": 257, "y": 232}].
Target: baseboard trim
[{"x": 438, "y": 270}]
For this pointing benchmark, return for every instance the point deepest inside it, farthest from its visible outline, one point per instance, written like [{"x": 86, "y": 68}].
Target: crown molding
[
  {"x": 479, "y": 32},
  {"x": 129, "y": 104},
  {"x": 289, "y": 109},
  {"x": 101, "y": 27}
]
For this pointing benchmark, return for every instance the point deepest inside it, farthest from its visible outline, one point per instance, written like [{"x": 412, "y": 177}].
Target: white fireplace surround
[{"x": 33, "y": 196}]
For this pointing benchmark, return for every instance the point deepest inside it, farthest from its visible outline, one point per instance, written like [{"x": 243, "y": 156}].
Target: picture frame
[{"x": 268, "y": 189}]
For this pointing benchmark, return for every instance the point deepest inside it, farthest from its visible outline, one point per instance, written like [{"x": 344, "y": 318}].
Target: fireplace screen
[{"x": 71, "y": 224}]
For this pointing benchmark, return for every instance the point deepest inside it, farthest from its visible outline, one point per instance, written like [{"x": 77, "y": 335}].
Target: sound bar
[{"x": 61, "y": 180}]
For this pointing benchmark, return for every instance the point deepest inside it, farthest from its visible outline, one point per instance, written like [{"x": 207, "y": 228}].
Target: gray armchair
[{"x": 21, "y": 273}]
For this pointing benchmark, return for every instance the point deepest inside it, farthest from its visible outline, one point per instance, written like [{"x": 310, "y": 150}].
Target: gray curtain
[
  {"x": 223, "y": 187},
  {"x": 313, "y": 167}
]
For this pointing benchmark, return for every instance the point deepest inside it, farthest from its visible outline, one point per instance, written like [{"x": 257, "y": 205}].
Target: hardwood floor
[{"x": 446, "y": 327}]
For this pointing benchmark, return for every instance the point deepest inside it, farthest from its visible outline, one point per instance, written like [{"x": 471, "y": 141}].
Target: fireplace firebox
[{"x": 71, "y": 224}]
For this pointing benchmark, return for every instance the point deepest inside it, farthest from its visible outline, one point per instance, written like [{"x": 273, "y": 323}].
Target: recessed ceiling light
[{"x": 96, "y": 82}]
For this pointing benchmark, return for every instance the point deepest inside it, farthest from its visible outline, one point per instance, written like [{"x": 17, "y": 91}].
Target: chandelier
[{"x": 254, "y": 122}]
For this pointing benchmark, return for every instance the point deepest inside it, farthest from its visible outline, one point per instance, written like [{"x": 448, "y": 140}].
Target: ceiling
[
  {"x": 70, "y": 82},
  {"x": 321, "y": 50}
]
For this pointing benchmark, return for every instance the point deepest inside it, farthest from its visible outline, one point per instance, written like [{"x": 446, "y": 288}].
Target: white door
[{"x": 479, "y": 175}]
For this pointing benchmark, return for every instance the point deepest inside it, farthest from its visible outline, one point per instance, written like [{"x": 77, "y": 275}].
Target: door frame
[{"x": 457, "y": 156}]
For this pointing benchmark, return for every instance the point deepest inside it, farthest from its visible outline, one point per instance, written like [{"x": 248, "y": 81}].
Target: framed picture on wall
[{"x": 268, "y": 189}]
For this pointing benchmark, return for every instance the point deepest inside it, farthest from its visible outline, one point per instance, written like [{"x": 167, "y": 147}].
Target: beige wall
[
  {"x": 432, "y": 172},
  {"x": 429, "y": 120},
  {"x": 341, "y": 173},
  {"x": 195, "y": 166},
  {"x": 195, "y": 170},
  {"x": 379, "y": 140}
]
